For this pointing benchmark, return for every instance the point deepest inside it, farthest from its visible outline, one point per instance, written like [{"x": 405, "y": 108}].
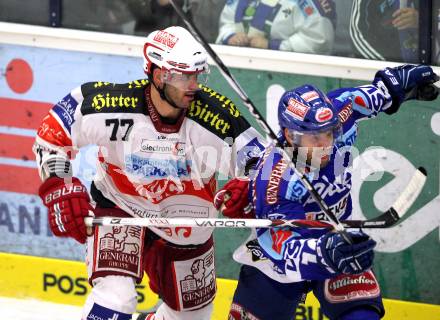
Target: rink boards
[
  {"x": 65, "y": 282},
  {"x": 39, "y": 69}
]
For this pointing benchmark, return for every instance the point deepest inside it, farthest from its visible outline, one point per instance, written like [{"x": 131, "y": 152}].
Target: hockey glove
[
  {"x": 232, "y": 200},
  {"x": 68, "y": 205},
  {"x": 408, "y": 82},
  {"x": 346, "y": 258}
]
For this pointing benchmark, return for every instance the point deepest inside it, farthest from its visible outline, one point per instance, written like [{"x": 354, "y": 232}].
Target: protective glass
[
  {"x": 324, "y": 138},
  {"x": 189, "y": 81}
]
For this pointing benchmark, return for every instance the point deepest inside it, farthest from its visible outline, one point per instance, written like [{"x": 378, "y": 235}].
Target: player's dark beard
[{"x": 166, "y": 97}]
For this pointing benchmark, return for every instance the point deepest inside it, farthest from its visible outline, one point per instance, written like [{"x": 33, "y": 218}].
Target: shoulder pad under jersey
[
  {"x": 217, "y": 113},
  {"x": 106, "y": 97}
]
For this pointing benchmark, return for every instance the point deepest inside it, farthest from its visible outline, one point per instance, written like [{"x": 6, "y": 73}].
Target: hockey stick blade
[
  {"x": 411, "y": 192},
  {"x": 399, "y": 207}
]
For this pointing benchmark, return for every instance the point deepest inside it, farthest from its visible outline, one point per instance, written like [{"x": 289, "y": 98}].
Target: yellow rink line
[{"x": 65, "y": 282}]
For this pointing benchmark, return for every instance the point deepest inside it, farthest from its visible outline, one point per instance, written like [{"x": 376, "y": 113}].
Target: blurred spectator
[
  {"x": 385, "y": 29},
  {"x": 159, "y": 14},
  {"x": 206, "y": 15},
  {"x": 97, "y": 15},
  {"x": 436, "y": 33},
  {"x": 343, "y": 46},
  {"x": 165, "y": 15},
  {"x": 150, "y": 15},
  {"x": 34, "y": 12},
  {"x": 301, "y": 26},
  {"x": 145, "y": 21}
]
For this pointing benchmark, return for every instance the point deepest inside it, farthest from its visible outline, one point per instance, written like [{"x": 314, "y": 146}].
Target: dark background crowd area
[{"x": 413, "y": 38}]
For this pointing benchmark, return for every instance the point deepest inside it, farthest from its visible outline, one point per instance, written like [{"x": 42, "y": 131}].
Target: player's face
[
  {"x": 312, "y": 148},
  {"x": 182, "y": 87},
  {"x": 182, "y": 98},
  {"x": 317, "y": 148}
]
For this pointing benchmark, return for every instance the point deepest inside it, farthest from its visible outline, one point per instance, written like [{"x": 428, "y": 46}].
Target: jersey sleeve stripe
[
  {"x": 52, "y": 131},
  {"x": 65, "y": 111}
]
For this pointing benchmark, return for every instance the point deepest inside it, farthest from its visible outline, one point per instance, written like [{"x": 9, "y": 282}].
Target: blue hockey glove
[
  {"x": 408, "y": 82},
  {"x": 346, "y": 258}
]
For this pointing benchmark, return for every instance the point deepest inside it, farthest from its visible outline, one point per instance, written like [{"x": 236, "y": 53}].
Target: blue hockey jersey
[{"x": 287, "y": 254}]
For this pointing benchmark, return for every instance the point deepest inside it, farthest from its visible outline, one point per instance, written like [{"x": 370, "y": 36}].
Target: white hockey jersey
[{"x": 145, "y": 166}]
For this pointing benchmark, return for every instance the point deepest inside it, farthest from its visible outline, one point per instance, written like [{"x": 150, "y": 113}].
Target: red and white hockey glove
[
  {"x": 68, "y": 205},
  {"x": 232, "y": 200}
]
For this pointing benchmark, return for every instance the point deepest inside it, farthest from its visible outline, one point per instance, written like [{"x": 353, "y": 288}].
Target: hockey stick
[
  {"x": 259, "y": 118},
  {"x": 385, "y": 220}
]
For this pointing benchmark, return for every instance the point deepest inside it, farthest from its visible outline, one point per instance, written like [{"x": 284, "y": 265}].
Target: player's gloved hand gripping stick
[{"x": 68, "y": 204}]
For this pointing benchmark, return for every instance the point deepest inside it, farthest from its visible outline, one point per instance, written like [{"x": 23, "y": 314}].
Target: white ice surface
[{"x": 31, "y": 309}]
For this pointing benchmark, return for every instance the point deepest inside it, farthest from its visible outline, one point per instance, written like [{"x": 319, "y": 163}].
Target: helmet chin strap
[{"x": 163, "y": 95}]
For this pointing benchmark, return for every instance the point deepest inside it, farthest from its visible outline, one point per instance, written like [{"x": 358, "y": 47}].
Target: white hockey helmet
[{"x": 177, "y": 52}]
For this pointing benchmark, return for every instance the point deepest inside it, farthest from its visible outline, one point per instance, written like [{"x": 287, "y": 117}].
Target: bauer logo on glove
[
  {"x": 68, "y": 204},
  {"x": 66, "y": 190}
]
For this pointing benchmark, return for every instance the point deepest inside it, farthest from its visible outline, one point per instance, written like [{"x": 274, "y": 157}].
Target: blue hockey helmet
[{"x": 307, "y": 110}]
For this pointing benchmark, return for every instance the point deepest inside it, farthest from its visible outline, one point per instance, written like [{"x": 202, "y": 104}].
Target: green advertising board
[{"x": 407, "y": 256}]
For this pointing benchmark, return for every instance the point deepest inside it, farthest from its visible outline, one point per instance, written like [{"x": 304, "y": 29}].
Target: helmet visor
[
  {"x": 325, "y": 137},
  {"x": 186, "y": 81}
]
